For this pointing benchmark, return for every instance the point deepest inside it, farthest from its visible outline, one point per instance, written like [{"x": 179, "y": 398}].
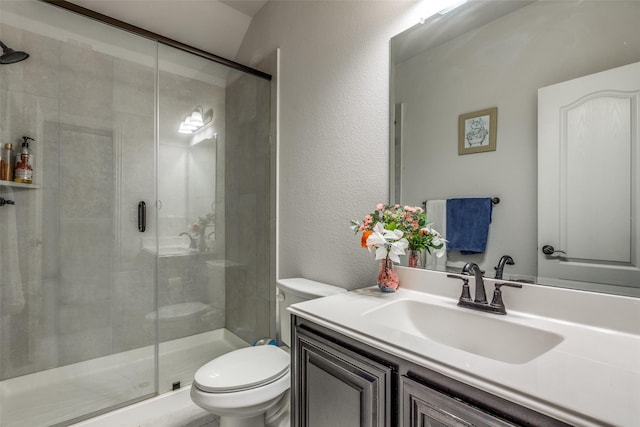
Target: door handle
[
  {"x": 550, "y": 250},
  {"x": 142, "y": 217}
]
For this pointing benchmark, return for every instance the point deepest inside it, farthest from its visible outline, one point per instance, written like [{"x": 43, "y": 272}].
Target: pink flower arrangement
[
  {"x": 199, "y": 228},
  {"x": 411, "y": 221}
]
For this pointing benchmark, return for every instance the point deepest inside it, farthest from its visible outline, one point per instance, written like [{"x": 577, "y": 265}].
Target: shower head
[{"x": 10, "y": 56}]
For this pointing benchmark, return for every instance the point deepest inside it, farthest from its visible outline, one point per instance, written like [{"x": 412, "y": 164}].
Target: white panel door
[{"x": 588, "y": 191}]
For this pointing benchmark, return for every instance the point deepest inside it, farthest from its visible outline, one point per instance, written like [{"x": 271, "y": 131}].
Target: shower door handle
[{"x": 142, "y": 217}]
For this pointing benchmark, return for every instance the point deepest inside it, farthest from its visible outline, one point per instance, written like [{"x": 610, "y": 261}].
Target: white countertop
[{"x": 592, "y": 378}]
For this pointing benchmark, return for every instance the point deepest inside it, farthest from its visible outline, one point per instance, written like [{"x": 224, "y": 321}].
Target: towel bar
[{"x": 494, "y": 201}]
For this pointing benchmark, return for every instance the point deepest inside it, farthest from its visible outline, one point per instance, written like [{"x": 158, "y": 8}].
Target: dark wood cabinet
[
  {"x": 338, "y": 387},
  {"x": 338, "y": 381},
  {"x": 426, "y": 407}
]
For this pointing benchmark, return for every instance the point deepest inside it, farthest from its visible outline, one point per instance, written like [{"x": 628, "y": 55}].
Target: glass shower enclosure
[{"x": 140, "y": 251}]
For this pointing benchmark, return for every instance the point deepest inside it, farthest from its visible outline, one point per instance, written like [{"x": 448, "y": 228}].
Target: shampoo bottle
[
  {"x": 6, "y": 162},
  {"x": 24, "y": 163}
]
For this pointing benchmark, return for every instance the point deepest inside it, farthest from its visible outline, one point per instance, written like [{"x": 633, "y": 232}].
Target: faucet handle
[
  {"x": 466, "y": 293},
  {"x": 497, "y": 302},
  {"x": 511, "y": 285}
]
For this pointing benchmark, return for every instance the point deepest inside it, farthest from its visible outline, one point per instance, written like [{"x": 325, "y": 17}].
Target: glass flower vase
[
  {"x": 415, "y": 259},
  {"x": 387, "y": 278},
  {"x": 202, "y": 244}
]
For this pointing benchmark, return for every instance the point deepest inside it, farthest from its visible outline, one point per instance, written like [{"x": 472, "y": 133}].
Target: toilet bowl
[
  {"x": 242, "y": 385},
  {"x": 245, "y": 384}
]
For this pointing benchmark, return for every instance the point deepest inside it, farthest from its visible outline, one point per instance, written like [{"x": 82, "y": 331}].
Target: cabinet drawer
[{"x": 426, "y": 407}]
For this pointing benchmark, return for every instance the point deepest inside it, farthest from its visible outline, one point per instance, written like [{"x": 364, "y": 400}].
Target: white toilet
[{"x": 243, "y": 385}]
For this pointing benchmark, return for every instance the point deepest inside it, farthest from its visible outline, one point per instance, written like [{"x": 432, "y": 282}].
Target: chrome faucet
[
  {"x": 192, "y": 244},
  {"x": 504, "y": 260},
  {"x": 480, "y": 301}
]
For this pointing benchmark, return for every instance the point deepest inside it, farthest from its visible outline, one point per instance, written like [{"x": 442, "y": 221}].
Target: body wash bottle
[{"x": 24, "y": 163}]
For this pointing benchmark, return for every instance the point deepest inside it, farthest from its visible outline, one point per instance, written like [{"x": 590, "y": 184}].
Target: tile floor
[
  {"x": 191, "y": 416},
  {"x": 53, "y": 396}
]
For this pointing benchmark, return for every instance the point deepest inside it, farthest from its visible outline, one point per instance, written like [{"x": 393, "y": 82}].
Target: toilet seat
[{"x": 243, "y": 369}]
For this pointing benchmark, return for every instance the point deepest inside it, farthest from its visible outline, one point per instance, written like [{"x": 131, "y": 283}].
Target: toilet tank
[{"x": 292, "y": 291}]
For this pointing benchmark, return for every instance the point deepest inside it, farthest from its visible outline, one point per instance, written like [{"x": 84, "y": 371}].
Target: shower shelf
[{"x": 18, "y": 184}]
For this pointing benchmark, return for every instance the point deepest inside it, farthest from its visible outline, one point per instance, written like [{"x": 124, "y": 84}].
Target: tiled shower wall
[
  {"x": 85, "y": 109},
  {"x": 89, "y": 286},
  {"x": 248, "y": 209}
]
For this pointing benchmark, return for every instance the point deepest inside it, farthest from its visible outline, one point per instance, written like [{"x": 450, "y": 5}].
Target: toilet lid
[{"x": 243, "y": 369}]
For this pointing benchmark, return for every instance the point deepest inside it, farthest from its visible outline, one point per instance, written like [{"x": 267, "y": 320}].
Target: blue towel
[{"x": 468, "y": 224}]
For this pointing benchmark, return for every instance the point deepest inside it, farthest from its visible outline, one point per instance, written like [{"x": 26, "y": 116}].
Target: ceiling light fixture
[
  {"x": 186, "y": 127},
  {"x": 454, "y": 5},
  {"x": 428, "y": 8},
  {"x": 195, "y": 120},
  {"x": 196, "y": 117}
]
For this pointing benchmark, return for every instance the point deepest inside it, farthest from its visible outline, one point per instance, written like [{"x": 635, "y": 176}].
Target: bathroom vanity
[
  {"x": 414, "y": 358},
  {"x": 343, "y": 382}
]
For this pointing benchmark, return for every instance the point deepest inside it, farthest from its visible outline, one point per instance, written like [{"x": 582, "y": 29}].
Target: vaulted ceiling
[{"x": 212, "y": 25}]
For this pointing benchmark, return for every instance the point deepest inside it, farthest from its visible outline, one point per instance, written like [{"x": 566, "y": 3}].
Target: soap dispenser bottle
[{"x": 24, "y": 163}]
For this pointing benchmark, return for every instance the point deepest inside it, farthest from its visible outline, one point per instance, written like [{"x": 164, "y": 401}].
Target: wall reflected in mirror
[
  {"x": 201, "y": 206},
  {"x": 499, "y": 54}
]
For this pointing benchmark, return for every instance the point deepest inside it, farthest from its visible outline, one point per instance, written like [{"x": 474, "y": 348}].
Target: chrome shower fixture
[{"x": 10, "y": 56}]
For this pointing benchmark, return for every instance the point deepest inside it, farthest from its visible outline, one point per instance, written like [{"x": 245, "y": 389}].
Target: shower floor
[{"x": 61, "y": 394}]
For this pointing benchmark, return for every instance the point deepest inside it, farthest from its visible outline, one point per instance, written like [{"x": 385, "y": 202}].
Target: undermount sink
[
  {"x": 175, "y": 250},
  {"x": 168, "y": 246},
  {"x": 170, "y": 250},
  {"x": 487, "y": 335}
]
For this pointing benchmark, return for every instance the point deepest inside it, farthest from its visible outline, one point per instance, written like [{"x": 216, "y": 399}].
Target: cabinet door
[
  {"x": 425, "y": 407},
  {"x": 336, "y": 387}
]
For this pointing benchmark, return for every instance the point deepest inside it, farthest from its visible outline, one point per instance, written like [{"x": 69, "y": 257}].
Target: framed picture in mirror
[{"x": 477, "y": 131}]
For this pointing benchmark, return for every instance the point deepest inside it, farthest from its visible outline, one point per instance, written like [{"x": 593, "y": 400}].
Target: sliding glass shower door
[
  {"x": 191, "y": 286},
  {"x": 75, "y": 337},
  {"x": 213, "y": 231},
  {"x": 142, "y": 249}
]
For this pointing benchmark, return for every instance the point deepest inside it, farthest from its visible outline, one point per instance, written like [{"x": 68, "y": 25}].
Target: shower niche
[{"x": 112, "y": 315}]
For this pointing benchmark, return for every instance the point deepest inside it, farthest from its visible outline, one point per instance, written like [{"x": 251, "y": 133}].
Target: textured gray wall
[{"x": 333, "y": 118}]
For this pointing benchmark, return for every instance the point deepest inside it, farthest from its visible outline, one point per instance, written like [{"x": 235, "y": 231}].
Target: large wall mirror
[{"x": 563, "y": 80}]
